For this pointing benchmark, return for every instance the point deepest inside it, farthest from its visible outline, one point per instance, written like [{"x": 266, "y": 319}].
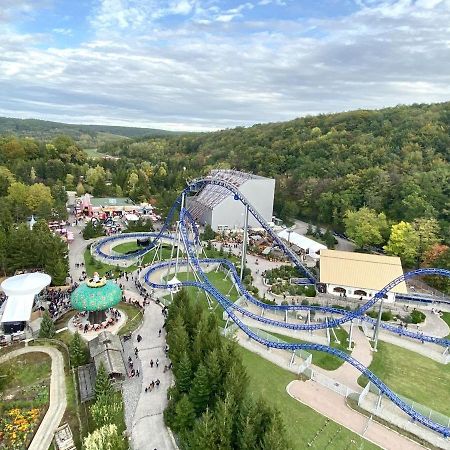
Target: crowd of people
[{"x": 58, "y": 301}]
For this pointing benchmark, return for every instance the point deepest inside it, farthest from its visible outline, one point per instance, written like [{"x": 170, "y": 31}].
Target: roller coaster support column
[
  {"x": 183, "y": 197},
  {"x": 350, "y": 336},
  {"x": 285, "y": 315},
  {"x": 328, "y": 331},
  {"x": 244, "y": 243},
  {"x": 377, "y": 327}
]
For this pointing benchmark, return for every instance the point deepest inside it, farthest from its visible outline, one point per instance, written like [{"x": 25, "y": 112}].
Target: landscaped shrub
[{"x": 417, "y": 316}]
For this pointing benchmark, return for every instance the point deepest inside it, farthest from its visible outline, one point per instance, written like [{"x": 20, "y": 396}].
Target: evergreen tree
[
  {"x": 178, "y": 341},
  {"x": 201, "y": 390},
  {"x": 77, "y": 350},
  {"x": 246, "y": 438},
  {"x": 309, "y": 231},
  {"x": 184, "y": 415},
  {"x": 183, "y": 374},
  {"x": 215, "y": 372},
  {"x": 274, "y": 437},
  {"x": 47, "y": 329},
  {"x": 103, "y": 386},
  {"x": 203, "y": 436},
  {"x": 58, "y": 270},
  {"x": 224, "y": 423}
]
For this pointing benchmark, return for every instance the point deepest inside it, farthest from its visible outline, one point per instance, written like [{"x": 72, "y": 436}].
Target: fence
[{"x": 422, "y": 409}]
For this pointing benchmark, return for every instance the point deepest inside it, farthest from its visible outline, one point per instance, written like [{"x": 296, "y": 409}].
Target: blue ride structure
[{"x": 202, "y": 282}]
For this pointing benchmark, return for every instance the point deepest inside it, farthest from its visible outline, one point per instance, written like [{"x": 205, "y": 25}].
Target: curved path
[{"x": 58, "y": 401}]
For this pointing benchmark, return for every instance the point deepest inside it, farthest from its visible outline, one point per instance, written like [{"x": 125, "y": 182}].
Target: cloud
[{"x": 206, "y": 74}]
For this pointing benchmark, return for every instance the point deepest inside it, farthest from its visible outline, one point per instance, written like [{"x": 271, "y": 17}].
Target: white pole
[
  {"x": 244, "y": 243},
  {"x": 350, "y": 336},
  {"x": 179, "y": 236},
  {"x": 377, "y": 327}
]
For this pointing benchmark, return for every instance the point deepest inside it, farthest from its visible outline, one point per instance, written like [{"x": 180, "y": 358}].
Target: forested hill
[
  {"x": 85, "y": 135},
  {"x": 394, "y": 160}
]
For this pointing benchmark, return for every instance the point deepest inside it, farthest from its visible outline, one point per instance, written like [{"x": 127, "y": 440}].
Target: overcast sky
[{"x": 208, "y": 64}]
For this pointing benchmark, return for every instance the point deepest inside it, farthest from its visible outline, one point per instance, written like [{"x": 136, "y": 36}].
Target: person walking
[{"x": 151, "y": 363}]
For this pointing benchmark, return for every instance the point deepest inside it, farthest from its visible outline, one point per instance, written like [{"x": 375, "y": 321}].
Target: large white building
[
  {"x": 359, "y": 275},
  {"x": 216, "y": 205}
]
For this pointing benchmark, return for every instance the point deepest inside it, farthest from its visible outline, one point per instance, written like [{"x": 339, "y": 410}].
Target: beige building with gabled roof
[{"x": 359, "y": 275}]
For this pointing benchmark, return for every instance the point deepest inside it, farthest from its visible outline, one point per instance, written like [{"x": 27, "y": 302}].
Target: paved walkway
[
  {"x": 58, "y": 403},
  {"x": 147, "y": 428},
  {"x": 333, "y": 406}
]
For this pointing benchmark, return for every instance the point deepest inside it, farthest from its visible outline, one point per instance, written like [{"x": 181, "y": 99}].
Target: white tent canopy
[
  {"x": 307, "y": 245},
  {"x": 20, "y": 291}
]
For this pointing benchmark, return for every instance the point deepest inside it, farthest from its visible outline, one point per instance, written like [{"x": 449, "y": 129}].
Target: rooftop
[
  {"x": 111, "y": 201},
  {"x": 360, "y": 270},
  {"x": 86, "y": 298},
  {"x": 106, "y": 349},
  {"x": 211, "y": 195}
]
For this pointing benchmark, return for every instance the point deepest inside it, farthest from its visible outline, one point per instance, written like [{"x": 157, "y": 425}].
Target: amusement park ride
[{"x": 187, "y": 238}]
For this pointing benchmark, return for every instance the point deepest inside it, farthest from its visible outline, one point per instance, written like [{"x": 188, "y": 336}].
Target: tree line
[
  {"x": 210, "y": 405},
  {"x": 394, "y": 161},
  {"x": 22, "y": 248}
]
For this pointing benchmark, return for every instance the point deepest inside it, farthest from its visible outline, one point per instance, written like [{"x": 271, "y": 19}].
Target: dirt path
[
  {"x": 332, "y": 405},
  {"x": 58, "y": 401}
]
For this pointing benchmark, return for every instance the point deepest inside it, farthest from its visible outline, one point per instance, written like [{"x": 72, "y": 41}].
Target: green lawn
[
  {"x": 92, "y": 153},
  {"x": 446, "y": 318},
  {"x": 302, "y": 423},
  {"x": 91, "y": 266},
  {"x": 126, "y": 247},
  {"x": 412, "y": 375},
  {"x": 321, "y": 359},
  {"x": 33, "y": 368},
  {"x": 134, "y": 315}
]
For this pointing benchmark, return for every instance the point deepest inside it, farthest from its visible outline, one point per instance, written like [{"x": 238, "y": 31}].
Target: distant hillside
[
  {"x": 87, "y": 136},
  {"x": 394, "y": 160}
]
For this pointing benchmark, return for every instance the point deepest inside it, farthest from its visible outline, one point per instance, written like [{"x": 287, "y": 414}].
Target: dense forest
[
  {"x": 87, "y": 136},
  {"x": 380, "y": 176},
  {"x": 393, "y": 160}
]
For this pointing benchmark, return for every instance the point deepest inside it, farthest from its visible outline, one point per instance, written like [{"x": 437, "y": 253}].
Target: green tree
[
  {"x": 428, "y": 232},
  {"x": 80, "y": 189},
  {"x": 47, "y": 329},
  {"x": 209, "y": 234},
  {"x": 184, "y": 374},
  {"x": 201, "y": 390},
  {"x": 92, "y": 230},
  {"x": 39, "y": 199},
  {"x": 365, "y": 227},
  {"x": 184, "y": 415},
  {"x": 404, "y": 242},
  {"x": 204, "y": 433},
  {"x": 103, "y": 386},
  {"x": 77, "y": 351}
]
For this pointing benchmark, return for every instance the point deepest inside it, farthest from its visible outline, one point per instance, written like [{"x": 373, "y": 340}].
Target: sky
[{"x": 212, "y": 64}]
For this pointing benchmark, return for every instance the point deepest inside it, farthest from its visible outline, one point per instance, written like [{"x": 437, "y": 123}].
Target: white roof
[
  {"x": 302, "y": 241},
  {"x": 26, "y": 284},
  {"x": 131, "y": 217},
  {"x": 18, "y": 308},
  {"x": 20, "y": 291}
]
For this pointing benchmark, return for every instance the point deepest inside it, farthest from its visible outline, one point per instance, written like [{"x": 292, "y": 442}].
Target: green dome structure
[{"x": 95, "y": 297}]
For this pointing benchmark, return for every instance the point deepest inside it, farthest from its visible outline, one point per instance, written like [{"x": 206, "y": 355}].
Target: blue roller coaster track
[{"x": 202, "y": 282}]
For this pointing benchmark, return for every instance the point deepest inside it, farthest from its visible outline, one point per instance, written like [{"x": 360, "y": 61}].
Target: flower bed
[{"x": 17, "y": 427}]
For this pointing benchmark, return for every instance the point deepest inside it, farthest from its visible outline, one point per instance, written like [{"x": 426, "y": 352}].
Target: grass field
[
  {"x": 446, "y": 318},
  {"x": 148, "y": 257},
  {"x": 92, "y": 153},
  {"x": 269, "y": 381},
  {"x": 91, "y": 266},
  {"x": 134, "y": 318},
  {"x": 412, "y": 375},
  {"x": 321, "y": 359}
]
